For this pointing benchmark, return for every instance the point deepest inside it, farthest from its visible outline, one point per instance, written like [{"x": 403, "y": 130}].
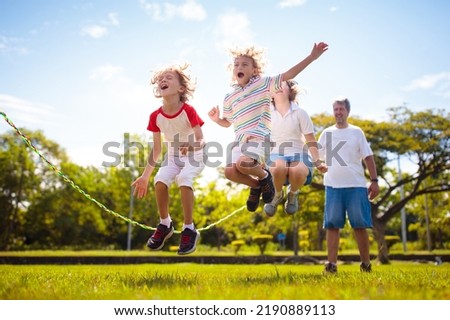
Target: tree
[
  {"x": 424, "y": 138},
  {"x": 21, "y": 177}
]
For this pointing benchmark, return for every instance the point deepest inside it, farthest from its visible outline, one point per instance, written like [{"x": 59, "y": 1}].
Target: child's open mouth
[{"x": 240, "y": 74}]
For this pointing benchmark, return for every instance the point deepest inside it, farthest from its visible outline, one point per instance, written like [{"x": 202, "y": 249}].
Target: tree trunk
[
  {"x": 378, "y": 231},
  {"x": 321, "y": 237},
  {"x": 219, "y": 235}
]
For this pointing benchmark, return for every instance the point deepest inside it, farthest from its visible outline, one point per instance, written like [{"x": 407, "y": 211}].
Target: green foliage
[
  {"x": 237, "y": 244},
  {"x": 262, "y": 240},
  {"x": 38, "y": 209}
]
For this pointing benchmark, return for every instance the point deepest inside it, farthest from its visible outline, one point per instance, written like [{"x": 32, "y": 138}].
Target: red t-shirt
[{"x": 177, "y": 127}]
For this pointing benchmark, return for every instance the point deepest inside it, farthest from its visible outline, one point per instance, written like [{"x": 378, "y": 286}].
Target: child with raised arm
[
  {"x": 247, "y": 107},
  {"x": 294, "y": 148},
  {"x": 184, "y": 159}
]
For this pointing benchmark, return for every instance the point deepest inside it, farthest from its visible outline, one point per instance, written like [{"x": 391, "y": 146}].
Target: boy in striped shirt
[{"x": 247, "y": 107}]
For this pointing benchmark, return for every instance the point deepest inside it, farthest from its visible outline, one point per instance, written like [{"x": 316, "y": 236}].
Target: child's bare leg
[
  {"x": 187, "y": 201},
  {"x": 279, "y": 172},
  {"x": 249, "y": 166},
  {"x": 162, "y": 199},
  {"x": 298, "y": 172},
  {"x": 233, "y": 174}
]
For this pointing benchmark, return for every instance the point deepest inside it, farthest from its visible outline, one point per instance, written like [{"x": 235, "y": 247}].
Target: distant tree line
[{"x": 39, "y": 210}]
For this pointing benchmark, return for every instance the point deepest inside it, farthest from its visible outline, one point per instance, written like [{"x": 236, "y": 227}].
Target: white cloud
[
  {"x": 334, "y": 9},
  {"x": 189, "y": 10},
  {"x": 105, "y": 72},
  {"x": 233, "y": 29},
  {"x": 94, "y": 31},
  {"x": 27, "y": 112},
  {"x": 113, "y": 19},
  {"x": 291, "y": 3},
  {"x": 439, "y": 83},
  {"x": 98, "y": 31},
  {"x": 12, "y": 45}
]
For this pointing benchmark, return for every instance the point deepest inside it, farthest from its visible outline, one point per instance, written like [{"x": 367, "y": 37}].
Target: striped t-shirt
[{"x": 248, "y": 108}]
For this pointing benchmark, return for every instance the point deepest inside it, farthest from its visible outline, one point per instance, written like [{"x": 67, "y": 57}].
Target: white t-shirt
[
  {"x": 177, "y": 127},
  {"x": 343, "y": 150},
  {"x": 288, "y": 131}
]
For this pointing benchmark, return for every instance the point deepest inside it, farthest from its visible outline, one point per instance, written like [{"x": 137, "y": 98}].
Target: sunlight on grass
[{"x": 405, "y": 281}]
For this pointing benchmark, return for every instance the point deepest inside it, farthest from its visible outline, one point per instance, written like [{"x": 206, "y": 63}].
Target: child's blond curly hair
[
  {"x": 185, "y": 80},
  {"x": 253, "y": 53}
]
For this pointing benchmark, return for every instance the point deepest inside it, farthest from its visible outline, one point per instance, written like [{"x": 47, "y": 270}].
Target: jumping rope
[{"x": 87, "y": 196}]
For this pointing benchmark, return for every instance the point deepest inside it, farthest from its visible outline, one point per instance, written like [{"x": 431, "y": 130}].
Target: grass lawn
[{"x": 187, "y": 281}]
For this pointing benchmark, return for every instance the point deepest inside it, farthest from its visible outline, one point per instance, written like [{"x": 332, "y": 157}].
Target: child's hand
[
  {"x": 214, "y": 114},
  {"x": 322, "y": 168},
  {"x": 140, "y": 187},
  {"x": 318, "y": 49},
  {"x": 184, "y": 148}
]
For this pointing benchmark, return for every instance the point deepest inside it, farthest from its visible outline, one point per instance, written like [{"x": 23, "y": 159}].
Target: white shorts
[
  {"x": 181, "y": 169},
  {"x": 256, "y": 149}
]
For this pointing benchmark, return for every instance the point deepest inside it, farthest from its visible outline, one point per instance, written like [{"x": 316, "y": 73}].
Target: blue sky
[{"x": 80, "y": 70}]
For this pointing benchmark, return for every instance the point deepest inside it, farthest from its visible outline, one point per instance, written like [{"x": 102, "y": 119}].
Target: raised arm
[{"x": 316, "y": 52}]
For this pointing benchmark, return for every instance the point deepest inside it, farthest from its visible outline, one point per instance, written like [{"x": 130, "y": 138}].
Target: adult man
[{"x": 344, "y": 146}]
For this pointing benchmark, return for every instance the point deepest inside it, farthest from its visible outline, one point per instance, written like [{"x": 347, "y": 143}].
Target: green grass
[
  {"x": 398, "y": 281},
  {"x": 201, "y": 251}
]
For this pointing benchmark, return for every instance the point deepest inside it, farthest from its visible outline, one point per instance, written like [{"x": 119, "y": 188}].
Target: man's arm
[{"x": 374, "y": 189}]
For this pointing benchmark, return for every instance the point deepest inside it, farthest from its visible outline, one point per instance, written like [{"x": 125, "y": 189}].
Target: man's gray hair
[{"x": 343, "y": 100}]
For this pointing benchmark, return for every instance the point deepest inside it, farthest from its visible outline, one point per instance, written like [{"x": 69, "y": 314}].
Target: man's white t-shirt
[{"x": 343, "y": 150}]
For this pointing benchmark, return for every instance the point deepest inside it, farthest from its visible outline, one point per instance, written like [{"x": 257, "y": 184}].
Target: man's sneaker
[
  {"x": 271, "y": 208},
  {"x": 161, "y": 234},
  {"x": 330, "y": 268},
  {"x": 291, "y": 205},
  {"x": 253, "y": 199},
  {"x": 267, "y": 187},
  {"x": 365, "y": 267},
  {"x": 188, "y": 243}
]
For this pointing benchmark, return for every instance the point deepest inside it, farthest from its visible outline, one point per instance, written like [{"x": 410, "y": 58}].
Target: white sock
[
  {"x": 166, "y": 221},
  {"x": 189, "y": 226}
]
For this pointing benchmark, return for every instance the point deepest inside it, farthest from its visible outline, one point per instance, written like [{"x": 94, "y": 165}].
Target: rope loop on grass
[{"x": 87, "y": 196}]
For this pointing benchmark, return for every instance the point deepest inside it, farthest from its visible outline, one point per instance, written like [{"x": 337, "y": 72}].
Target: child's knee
[
  {"x": 230, "y": 172},
  {"x": 245, "y": 163},
  {"x": 185, "y": 181}
]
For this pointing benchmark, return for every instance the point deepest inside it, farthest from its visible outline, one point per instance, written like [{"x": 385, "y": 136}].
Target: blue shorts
[
  {"x": 351, "y": 201},
  {"x": 297, "y": 157}
]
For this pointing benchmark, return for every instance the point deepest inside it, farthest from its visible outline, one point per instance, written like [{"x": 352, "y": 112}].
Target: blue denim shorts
[
  {"x": 351, "y": 201},
  {"x": 297, "y": 157}
]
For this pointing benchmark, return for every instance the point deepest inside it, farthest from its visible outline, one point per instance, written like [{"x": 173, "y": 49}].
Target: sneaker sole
[
  {"x": 183, "y": 253},
  {"x": 269, "y": 213},
  {"x": 162, "y": 244},
  {"x": 290, "y": 213}
]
